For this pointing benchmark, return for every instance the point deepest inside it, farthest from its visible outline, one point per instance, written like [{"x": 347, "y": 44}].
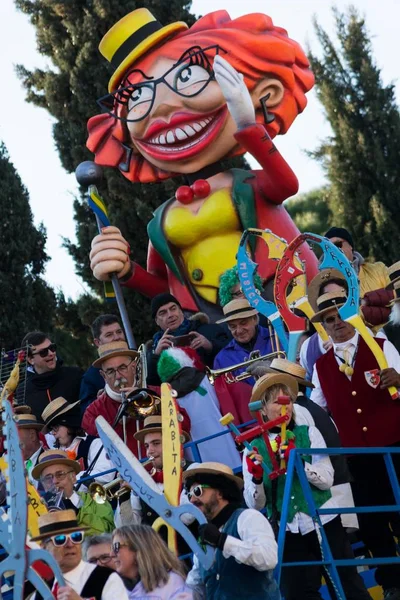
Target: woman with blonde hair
[{"x": 142, "y": 557}]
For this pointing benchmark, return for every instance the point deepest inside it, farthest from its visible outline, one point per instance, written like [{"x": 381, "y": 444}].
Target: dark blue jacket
[{"x": 91, "y": 383}]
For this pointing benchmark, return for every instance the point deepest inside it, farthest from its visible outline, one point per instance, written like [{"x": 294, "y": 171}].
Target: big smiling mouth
[{"x": 176, "y": 142}]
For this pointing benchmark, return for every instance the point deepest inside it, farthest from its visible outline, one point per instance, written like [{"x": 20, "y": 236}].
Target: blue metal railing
[{"x": 296, "y": 466}]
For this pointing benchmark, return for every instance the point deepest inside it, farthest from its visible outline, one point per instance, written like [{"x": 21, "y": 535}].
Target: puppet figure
[{"x": 181, "y": 100}]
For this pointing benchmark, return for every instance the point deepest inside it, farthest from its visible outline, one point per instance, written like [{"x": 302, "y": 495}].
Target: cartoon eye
[
  {"x": 139, "y": 95},
  {"x": 188, "y": 76}
]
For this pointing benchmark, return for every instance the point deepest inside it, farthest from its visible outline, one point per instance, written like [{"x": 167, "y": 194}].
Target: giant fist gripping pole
[{"x": 181, "y": 100}]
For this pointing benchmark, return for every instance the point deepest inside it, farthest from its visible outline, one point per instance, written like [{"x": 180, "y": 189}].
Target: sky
[{"x": 27, "y": 130}]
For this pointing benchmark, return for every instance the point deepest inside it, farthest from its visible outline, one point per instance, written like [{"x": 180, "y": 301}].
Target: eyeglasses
[
  {"x": 61, "y": 539},
  {"x": 197, "y": 491},
  {"x": 188, "y": 77},
  {"x": 103, "y": 559},
  {"x": 122, "y": 369},
  {"x": 59, "y": 475},
  {"x": 116, "y": 547},
  {"x": 330, "y": 320},
  {"x": 238, "y": 293},
  {"x": 44, "y": 351}
]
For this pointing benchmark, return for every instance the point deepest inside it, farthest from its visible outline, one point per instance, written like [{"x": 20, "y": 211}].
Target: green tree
[
  {"x": 310, "y": 211},
  {"x": 69, "y": 34},
  {"x": 26, "y": 301},
  {"x": 361, "y": 157}
]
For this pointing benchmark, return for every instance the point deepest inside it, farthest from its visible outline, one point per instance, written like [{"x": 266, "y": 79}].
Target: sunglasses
[
  {"x": 197, "y": 491},
  {"x": 61, "y": 539},
  {"x": 338, "y": 244},
  {"x": 116, "y": 547},
  {"x": 44, "y": 352}
]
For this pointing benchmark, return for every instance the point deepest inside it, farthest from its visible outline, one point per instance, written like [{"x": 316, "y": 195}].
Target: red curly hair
[{"x": 255, "y": 47}]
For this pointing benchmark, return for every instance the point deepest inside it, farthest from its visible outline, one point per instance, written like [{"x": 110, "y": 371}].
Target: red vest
[{"x": 364, "y": 416}]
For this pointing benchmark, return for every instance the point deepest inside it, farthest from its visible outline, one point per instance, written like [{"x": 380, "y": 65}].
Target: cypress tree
[
  {"x": 26, "y": 301},
  {"x": 310, "y": 211},
  {"x": 361, "y": 157},
  {"x": 69, "y": 34}
]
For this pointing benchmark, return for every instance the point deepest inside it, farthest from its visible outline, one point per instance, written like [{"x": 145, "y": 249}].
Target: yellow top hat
[{"x": 130, "y": 38}]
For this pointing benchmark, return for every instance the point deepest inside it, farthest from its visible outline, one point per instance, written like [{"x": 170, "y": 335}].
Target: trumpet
[
  {"x": 212, "y": 374},
  {"x": 104, "y": 493},
  {"x": 141, "y": 405}
]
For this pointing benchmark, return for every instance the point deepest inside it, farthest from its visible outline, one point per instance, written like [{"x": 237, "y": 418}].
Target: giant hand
[
  {"x": 237, "y": 96},
  {"x": 109, "y": 254}
]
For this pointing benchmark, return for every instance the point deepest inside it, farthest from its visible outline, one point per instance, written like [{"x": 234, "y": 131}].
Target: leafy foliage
[
  {"x": 361, "y": 156},
  {"x": 311, "y": 211}
]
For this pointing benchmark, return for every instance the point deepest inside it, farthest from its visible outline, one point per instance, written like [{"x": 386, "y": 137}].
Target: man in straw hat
[
  {"x": 117, "y": 365},
  {"x": 131, "y": 508},
  {"x": 63, "y": 420},
  {"x": 246, "y": 550},
  {"x": 260, "y": 491},
  {"x": 62, "y": 536},
  {"x": 55, "y": 470},
  {"x": 248, "y": 336},
  {"x": 349, "y": 383},
  {"x": 28, "y": 433}
]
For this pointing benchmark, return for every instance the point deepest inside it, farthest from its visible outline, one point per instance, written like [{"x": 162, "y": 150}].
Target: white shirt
[
  {"x": 319, "y": 473},
  {"x": 256, "y": 547},
  {"x": 102, "y": 463},
  {"x": 390, "y": 352},
  {"x": 114, "y": 588}
]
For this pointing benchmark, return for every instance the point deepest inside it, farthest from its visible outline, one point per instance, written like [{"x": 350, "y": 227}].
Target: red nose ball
[
  {"x": 201, "y": 188},
  {"x": 184, "y": 194}
]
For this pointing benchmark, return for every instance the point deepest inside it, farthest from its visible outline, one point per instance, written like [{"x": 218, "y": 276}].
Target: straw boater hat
[
  {"x": 326, "y": 302},
  {"x": 130, "y": 38},
  {"x": 56, "y": 411},
  {"x": 237, "y": 309},
  {"x": 322, "y": 278},
  {"x": 212, "y": 468},
  {"x": 394, "y": 275},
  {"x": 112, "y": 349},
  {"x": 57, "y": 522},
  {"x": 270, "y": 379},
  {"x": 54, "y": 457},
  {"x": 281, "y": 365},
  {"x": 153, "y": 425},
  {"x": 24, "y": 419}
]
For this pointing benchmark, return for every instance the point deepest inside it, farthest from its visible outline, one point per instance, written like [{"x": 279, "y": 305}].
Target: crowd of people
[{"x": 336, "y": 395}]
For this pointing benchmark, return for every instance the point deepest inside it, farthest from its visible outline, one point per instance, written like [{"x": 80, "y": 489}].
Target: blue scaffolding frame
[{"x": 296, "y": 466}]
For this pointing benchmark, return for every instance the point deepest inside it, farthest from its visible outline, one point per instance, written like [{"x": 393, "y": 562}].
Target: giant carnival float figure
[{"x": 181, "y": 100}]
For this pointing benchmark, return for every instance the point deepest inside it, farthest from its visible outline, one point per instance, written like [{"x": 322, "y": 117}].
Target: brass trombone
[
  {"x": 103, "y": 493},
  {"x": 212, "y": 374}
]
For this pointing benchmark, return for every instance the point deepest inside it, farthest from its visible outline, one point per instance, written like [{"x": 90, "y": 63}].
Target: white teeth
[
  {"x": 189, "y": 130},
  {"x": 180, "y": 134}
]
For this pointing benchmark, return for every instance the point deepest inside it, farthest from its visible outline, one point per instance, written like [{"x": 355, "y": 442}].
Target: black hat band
[
  {"x": 239, "y": 310},
  {"x": 60, "y": 525},
  {"x": 331, "y": 303},
  {"x": 134, "y": 40}
]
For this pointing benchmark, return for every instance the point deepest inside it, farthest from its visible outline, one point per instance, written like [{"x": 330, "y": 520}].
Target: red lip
[{"x": 186, "y": 148}]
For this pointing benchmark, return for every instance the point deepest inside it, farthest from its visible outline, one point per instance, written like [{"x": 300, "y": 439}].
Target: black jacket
[
  {"x": 42, "y": 389},
  {"x": 216, "y": 334}
]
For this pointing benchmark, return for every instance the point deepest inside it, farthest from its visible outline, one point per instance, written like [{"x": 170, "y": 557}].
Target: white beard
[{"x": 395, "y": 314}]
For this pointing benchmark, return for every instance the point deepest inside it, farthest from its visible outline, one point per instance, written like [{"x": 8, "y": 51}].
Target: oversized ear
[{"x": 273, "y": 87}]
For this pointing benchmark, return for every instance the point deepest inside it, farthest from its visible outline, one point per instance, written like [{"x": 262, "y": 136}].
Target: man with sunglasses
[
  {"x": 373, "y": 279},
  {"x": 349, "y": 383},
  {"x": 246, "y": 550},
  {"x": 62, "y": 536},
  {"x": 47, "y": 377}
]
